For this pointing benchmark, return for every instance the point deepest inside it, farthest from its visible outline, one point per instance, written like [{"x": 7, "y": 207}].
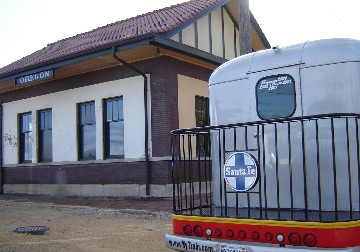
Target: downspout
[
  {"x": 1, "y": 150},
  {"x": 147, "y": 161}
]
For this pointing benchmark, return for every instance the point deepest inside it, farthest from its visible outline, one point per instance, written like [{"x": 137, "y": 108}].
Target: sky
[{"x": 29, "y": 25}]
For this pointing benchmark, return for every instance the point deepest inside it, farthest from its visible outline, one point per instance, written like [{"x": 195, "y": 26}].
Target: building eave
[
  {"x": 77, "y": 57},
  {"x": 187, "y": 50}
]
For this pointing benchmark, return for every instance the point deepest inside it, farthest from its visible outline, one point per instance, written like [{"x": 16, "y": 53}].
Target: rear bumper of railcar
[{"x": 195, "y": 244}]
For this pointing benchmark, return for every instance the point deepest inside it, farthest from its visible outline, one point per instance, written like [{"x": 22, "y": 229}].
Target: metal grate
[
  {"x": 38, "y": 230},
  {"x": 308, "y": 169}
]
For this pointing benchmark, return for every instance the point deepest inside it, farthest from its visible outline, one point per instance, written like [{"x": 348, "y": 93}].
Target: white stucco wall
[
  {"x": 229, "y": 37},
  {"x": 64, "y": 121},
  {"x": 188, "y": 35},
  {"x": 188, "y": 89},
  {"x": 203, "y": 34},
  {"x": 216, "y": 32}
]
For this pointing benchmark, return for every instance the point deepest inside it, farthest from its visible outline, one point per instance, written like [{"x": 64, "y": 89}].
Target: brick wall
[{"x": 164, "y": 117}]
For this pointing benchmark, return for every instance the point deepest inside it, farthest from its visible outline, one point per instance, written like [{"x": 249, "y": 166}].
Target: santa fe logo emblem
[{"x": 241, "y": 171}]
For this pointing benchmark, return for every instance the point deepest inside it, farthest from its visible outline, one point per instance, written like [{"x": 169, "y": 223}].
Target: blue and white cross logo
[{"x": 240, "y": 171}]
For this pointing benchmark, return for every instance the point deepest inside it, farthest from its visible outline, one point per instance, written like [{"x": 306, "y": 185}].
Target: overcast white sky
[{"x": 29, "y": 25}]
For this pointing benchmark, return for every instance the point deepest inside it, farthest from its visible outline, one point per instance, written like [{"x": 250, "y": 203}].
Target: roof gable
[
  {"x": 136, "y": 28},
  {"x": 202, "y": 19}
]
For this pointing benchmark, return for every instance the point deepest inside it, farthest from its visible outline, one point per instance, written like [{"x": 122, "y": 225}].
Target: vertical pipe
[
  {"x": 259, "y": 156},
  {"x": 277, "y": 170},
  {"x": 291, "y": 172},
  {"x": 146, "y": 148},
  {"x": 198, "y": 154},
  {"x": 224, "y": 182},
  {"x": 173, "y": 170},
  {"x": 318, "y": 167},
  {"x": 348, "y": 164},
  {"x": 1, "y": 149},
  {"x": 221, "y": 180},
  {"x": 237, "y": 193},
  {"x": 247, "y": 194},
  {"x": 358, "y": 154},
  {"x": 184, "y": 170},
  {"x": 304, "y": 168},
  {"x": 263, "y": 166},
  {"x": 334, "y": 167}
]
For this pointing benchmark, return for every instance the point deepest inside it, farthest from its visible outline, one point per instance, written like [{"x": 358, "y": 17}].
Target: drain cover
[{"x": 38, "y": 230}]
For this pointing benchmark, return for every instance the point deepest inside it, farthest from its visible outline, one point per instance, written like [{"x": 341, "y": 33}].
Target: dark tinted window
[
  {"x": 114, "y": 128},
  {"x": 275, "y": 96},
  {"x": 202, "y": 119},
  {"x": 87, "y": 131},
  {"x": 45, "y": 135},
  {"x": 25, "y": 137}
]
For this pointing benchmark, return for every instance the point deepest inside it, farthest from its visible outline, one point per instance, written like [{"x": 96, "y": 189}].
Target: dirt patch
[
  {"x": 84, "y": 224},
  {"x": 148, "y": 204}
]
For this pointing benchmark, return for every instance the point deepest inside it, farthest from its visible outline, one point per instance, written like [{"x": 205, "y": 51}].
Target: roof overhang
[{"x": 97, "y": 60}]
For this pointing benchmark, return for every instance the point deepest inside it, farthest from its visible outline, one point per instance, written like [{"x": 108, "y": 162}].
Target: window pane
[
  {"x": 202, "y": 119},
  {"x": 88, "y": 115},
  {"x": 115, "y": 114},
  {"x": 45, "y": 136},
  {"x": 42, "y": 120},
  {"x": 201, "y": 111},
  {"x": 114, "y": 128},
  {"x": 25, "y": 123},
  {"x": 109, "y": 110},
  {"x": 46, "y": 146},
  {"x": 87, "y": 131},
  {"x": 116, "y": 141},
  {"x": 25, "y": 154},
  {"x": 82, "y": 114},
  {"x": 88, "y": 142},
  {"x": 27, "y": 147},
  {"x": 120, "y": 109},
  {"x": 276, "y": 96},
  {"x": 92, "y": 113},
  {"x": 48, "y": 121}
]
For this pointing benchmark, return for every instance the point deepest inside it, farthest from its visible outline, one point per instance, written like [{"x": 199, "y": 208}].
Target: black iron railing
[{"x": 308, "y": 169}]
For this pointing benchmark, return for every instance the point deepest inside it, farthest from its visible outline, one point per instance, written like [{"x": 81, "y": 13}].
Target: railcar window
[{"x": 275, "y": 96}]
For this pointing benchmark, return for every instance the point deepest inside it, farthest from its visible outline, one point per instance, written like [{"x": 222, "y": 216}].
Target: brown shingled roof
[{"x": 136, "y": 28}]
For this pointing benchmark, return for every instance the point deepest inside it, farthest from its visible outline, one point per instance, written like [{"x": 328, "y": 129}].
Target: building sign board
[
  {"x": 30, "y": 78},
  {"x": 241, "y": 171}
]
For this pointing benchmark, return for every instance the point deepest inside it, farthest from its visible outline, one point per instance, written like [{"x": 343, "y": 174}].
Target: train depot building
[{"x": 92, "y": 114}]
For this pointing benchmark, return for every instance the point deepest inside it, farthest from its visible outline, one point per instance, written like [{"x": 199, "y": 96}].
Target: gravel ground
[{"x": 84, "y": 224}]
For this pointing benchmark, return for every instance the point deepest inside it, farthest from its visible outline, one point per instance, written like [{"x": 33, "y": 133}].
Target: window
[
  {"x": 45, "y": 135},
  {"x": 114, "y": 128},
  {"x": 201, "y": 111},
  {"x": 25, "y": 138},
  {"x": 275, "y": 96},
  {"x": 87, "y": 131},
  {"x": 202, "y": 119}
]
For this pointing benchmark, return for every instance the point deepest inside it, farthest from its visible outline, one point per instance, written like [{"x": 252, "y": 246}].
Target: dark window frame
[
  {"x": 202, "y": 118},
  {"x": 84, "y": 121},
  {"x": 22, "y": 132},
  {"x": 294, "y": 96},
  {"x": 41, "y": 129},
  {"x": 107, "y": 121}
]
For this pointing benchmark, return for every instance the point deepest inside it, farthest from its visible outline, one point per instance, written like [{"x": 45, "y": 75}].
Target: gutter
[{"x": 147, "y": 160}]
